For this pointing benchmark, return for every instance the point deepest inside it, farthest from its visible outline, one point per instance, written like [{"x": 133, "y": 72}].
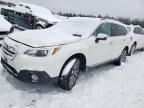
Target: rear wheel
[
  {"x": 132, "y": 50},
  {"x": 68, "y": 81},
  {"x": 142, "y": 49},
  {"x": 122, "y": 58}
]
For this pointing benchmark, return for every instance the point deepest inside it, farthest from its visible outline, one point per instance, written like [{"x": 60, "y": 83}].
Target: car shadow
[{"x": 51, "y": 86}]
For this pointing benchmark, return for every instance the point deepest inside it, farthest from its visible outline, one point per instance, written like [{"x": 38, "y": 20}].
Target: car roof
[
  {"x": 41, "y": 12},
  {"x": 34, "y": 7},
  {"x": 95, "y": 20}
]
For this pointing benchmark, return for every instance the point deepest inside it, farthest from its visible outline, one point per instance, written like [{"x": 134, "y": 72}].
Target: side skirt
[{"x": 100, "y": 64}]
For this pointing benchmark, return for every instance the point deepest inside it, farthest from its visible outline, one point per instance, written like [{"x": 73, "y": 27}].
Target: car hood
[
  {"x": 43, "y": 38},
  {"x": 5, "y": 26}
]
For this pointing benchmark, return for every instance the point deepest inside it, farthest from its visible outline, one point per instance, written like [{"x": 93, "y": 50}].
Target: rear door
[
  {"x": 119, "y": 39},
  {"x": 139, "y": 35}
]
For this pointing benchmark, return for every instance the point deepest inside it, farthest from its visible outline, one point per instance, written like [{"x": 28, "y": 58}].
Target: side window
[
  {"x": 124, "y": 31},
  {"x": 139, "y": 30},
  {"x": 118, "y": 30},
  {"x": 103, "y": 28},
  {"x": 142, "y": 31}
]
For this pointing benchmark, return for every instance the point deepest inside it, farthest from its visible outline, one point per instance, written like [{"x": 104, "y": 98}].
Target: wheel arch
[
  {"x": 127, "y": 48},
  {"x": 135, "y": 43},
  {"x": 80, "y": 56}
]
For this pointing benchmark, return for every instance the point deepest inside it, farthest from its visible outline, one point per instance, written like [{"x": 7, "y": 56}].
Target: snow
[
  {"x": 107, "y": 86},
  {"x": 38, "y": 11},
  {"x": 4, "y": 24},
  {"x": 44, "y": 38}
]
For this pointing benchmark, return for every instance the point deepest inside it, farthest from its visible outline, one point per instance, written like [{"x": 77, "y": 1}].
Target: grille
[{"x": 10, "y": 51}]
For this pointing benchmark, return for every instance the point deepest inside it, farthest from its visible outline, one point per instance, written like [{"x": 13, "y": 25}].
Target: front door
[{"x": 100, "y": 51}]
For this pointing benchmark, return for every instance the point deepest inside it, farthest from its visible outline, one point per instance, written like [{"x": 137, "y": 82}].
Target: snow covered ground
[{"x": 105, "y": 87}]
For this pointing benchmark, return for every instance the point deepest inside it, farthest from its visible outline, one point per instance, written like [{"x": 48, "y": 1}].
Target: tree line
[{"x": 124, "y": 20}]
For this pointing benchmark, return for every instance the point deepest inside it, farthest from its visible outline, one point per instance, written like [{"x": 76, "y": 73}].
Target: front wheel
[
  {"x": 68, "y": 81},
  {"x": 122, "y": 58}
]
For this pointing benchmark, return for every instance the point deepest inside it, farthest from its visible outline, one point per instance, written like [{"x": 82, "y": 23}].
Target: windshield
[{"x": 75, "y": 28}]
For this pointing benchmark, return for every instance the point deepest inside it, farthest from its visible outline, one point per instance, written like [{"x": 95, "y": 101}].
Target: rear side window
[
  {"x": 118, "y": 30},
  {"x": 139, "y": 30},
  {"x": 104, "y": 29}
]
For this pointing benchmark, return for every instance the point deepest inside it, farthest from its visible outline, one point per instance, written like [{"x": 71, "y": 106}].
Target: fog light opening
[{"x": 34, "y": 78}]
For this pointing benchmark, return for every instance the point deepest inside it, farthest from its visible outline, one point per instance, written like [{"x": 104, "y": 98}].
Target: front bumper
[
  {"x": 26, "y": 75},
  {"x": 13, "y": 54}
]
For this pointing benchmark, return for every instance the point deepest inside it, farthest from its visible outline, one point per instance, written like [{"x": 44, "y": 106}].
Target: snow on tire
[{"x": 68, "y": 81}]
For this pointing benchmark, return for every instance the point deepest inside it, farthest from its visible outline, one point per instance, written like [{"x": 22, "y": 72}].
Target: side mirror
[{"x": 101, "y": 36}]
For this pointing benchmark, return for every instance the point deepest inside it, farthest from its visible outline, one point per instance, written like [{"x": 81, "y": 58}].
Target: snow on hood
[
  {"x": 41, "y": 38},
  {"x": 4, "y": 24}
]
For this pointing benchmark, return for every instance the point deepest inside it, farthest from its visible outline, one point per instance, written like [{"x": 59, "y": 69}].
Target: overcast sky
[{"x": 125, "y": 8}]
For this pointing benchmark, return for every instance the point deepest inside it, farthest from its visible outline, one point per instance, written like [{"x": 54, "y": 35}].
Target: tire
[
  {"x": 132, "y": 50},
  {"x": 142, "y": 49},
  {"x": 39, "y": 27},
  {"x": 122, "y": 58},
  {"x": 68, "y": 81}
]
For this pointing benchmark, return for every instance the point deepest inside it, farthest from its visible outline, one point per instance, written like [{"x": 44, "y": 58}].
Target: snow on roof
[
  {"x": 40, "y": 12},
  {"x": 35, "y": 8},
  {"x": 96, "y": 20},
  {"x": 133, "y": 26},
  {"x": 84, "y": 19},
  {"x": 115, "y": 21}
]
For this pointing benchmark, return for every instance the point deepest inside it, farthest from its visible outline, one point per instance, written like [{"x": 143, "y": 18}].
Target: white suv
[
  {"x": 65, "y": 49},
  {"x": 137, "y": 35}
]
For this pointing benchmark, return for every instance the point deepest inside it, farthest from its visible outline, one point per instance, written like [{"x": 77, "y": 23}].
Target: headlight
[{"x": 36, "y": 52}]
